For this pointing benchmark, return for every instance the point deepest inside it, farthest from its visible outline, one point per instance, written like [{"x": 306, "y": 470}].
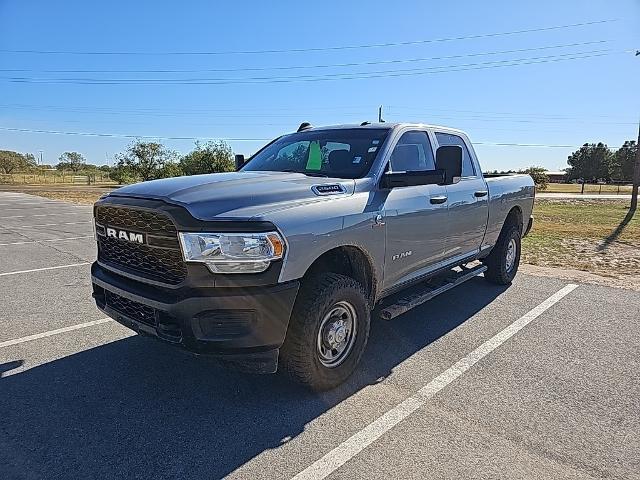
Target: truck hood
[{"x": 237, "y": 194}]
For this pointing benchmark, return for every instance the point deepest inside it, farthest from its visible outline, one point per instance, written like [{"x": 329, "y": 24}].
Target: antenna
[{"x": 380, "y": 114}]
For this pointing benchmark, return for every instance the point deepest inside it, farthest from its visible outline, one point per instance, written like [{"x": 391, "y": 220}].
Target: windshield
[{"x": 342, "y": 153}]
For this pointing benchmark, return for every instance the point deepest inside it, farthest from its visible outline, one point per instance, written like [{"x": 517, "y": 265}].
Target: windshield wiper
[{"x": 308, "y": 174}]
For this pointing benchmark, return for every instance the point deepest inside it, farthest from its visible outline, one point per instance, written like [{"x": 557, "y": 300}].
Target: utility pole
[
  {"x": 636, "y": 171},
  {"x": 636, "y": 175}
]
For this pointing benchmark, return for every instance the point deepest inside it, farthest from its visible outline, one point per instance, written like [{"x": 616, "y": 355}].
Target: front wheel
[
  {"x": 503, "y": 261},
  {"x": 328, "y": 331}
]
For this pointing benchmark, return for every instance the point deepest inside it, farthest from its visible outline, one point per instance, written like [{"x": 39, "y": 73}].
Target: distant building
[{"x": 557, "y": 177}]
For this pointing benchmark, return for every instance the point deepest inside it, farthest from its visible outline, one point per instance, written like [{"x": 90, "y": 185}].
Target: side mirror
[
  {"x": 449, "y": 159},
  {"x": 239, "y": 161},
  {"x": 409, "y": 179}
]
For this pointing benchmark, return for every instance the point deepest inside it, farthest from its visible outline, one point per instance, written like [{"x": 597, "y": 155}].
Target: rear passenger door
[{"x": 468, "y": 202}]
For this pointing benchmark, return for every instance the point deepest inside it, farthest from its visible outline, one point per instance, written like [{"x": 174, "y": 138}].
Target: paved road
[{"x": 481, "y": 382}]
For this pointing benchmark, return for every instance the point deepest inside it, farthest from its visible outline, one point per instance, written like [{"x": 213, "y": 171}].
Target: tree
[
  {"x": 590, "y": 163},
  {"x": 539, "y": 175},
  {"x": 11, "y": 161},
  {"x": 29, "y": 161},
  {"x": 210, "y": 157},
  {"x": 170, "y": 169},
  {"x": 143, "y": 161},
  {"x": 122, "y": 174},
  {"x": 73, "y": 161},
  {"x": 623, "y": 160}
]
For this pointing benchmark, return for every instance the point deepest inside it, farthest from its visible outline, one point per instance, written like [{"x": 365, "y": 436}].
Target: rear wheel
[
  {"x": 328, "y": 331},
  {"x": 503, "y": 261}
]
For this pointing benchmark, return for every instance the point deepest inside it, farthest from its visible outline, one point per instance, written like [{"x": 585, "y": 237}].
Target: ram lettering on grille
[{"x": 123, "y": 235}]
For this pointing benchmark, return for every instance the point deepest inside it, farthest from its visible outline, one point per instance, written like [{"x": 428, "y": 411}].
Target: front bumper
[{"x": 244, "y": 326}]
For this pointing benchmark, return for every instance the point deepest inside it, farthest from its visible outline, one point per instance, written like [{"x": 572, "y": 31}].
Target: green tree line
[
  {"x": 13, "y": 162},
  {"x": 143, "y": 161},
  {"x": 140, "y": 161},
  {"x": 597, "y": 162}
]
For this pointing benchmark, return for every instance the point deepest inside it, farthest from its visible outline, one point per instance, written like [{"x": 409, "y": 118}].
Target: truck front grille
[
  {"x": 140, "y": 220},
  {"x": 159, "y": 259},
  {"x": 134, "y": 310}
]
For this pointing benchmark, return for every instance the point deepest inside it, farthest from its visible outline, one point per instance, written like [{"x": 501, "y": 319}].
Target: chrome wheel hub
[
  {"x": 337, "y": 334},
  {"x": 511, "y": 255}
]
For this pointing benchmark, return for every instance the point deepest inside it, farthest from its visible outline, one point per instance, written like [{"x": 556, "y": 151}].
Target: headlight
[{"x": 232, "y": 252}]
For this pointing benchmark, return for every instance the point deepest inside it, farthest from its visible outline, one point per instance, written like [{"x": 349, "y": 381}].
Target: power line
[
  {"x": 298, "y": 67},
  {"x": 122, "y": 135},
  {"x": 318, "y": 49},
  {"x": 294, "y": 112},
  {"x": 117, "y": 135},
  {"x": 316, "y": 78},
  {"x": 485, "y": 118},
  {"x": 432, "y": 117},
  {"x": 520, "y": 114}
]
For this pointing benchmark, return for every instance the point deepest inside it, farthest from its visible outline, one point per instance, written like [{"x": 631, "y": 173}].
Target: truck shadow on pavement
[{"x": 135, "y": 408}]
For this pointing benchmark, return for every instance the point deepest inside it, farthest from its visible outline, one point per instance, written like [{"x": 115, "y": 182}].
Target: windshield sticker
[
  {"x": 356, "y": 159},
  {"x": 372, "y": 149},
  {"x": 315, "y": 157}
]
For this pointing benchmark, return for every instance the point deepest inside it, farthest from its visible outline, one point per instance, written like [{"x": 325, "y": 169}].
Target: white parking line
[
  {"x": 47, "y": 240},
  {"x": 50, "y": 333},
  {"x": 43, "y": 269},
  {"x": 25, "y": 203},
  {"x": 49, "y": 224},
  {"x": 43, "y": 205},
  {"x": 344, "y": 452},
  {"x": 44, "y": 215}
]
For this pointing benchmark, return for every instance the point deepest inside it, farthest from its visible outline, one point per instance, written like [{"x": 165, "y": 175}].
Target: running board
[{"x": 431, "y": 289}]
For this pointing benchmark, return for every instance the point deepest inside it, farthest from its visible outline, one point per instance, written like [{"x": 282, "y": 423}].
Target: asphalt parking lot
[{"x": 538, "y": 380}]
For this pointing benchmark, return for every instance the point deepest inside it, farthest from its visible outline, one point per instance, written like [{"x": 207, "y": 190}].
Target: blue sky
[{"x": 536, "y": 92}]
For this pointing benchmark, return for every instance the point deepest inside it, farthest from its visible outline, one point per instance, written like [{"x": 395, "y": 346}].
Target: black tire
[
  {"x": 498, "y": 270},
  {"x": 300, "y": 356}
]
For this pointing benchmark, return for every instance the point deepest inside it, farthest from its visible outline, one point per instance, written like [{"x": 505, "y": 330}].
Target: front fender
[{"x": 313, "y": 229}]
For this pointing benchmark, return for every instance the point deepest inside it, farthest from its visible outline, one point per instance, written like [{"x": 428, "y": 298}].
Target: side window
[
  {"x": 467, "y": 165},
  {"x": 413, "y": 153}
]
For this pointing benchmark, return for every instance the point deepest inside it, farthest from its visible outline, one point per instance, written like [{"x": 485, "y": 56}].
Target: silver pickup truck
[{"x": 282, "y": 262}]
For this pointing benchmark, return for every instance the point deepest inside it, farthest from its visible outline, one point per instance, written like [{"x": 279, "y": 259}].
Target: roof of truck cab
[{"x": 383, "y": 125}]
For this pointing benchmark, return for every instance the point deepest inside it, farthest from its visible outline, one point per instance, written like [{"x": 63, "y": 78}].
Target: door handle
[
  {"x": 480, "y": 193},
  {"x": 438, "y": 199}
]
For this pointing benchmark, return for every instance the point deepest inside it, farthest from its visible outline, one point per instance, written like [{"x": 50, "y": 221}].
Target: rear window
[{"x": 468, "y": 169}]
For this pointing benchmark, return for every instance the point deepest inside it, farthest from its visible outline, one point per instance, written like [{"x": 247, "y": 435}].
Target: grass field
[
  {"x": 84, "y": 195},
  {"x": 596, "y": 236}
]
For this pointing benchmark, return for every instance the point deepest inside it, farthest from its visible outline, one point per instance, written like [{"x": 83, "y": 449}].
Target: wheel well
[
  {"x": 351, "y": 262},
  {"x": 514, "y": 217}
]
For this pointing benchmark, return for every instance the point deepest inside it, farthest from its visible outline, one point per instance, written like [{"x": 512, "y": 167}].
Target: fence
[
  {"x": 589, "y": 188},
  {"x": 54, "y": 178}
]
